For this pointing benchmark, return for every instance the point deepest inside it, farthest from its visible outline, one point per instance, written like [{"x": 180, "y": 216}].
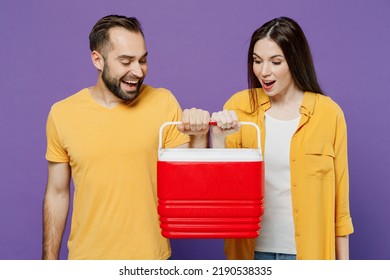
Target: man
[{"x": 105, "y": 138}]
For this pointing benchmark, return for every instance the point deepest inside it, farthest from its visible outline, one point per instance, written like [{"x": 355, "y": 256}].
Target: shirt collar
[
  {"x": 264, "y": 101},
  {"x": 308, "y": 103},
  {"x": 307, "y": 106}
]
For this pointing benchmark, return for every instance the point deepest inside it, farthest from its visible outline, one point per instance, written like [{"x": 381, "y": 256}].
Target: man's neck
[{"x": 103, "y": 96}]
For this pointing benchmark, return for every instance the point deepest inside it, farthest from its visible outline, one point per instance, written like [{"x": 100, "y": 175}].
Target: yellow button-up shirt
[{"x": 319, "y": 173}]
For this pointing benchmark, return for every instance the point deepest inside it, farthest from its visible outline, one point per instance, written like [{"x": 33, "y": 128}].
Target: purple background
[{"x": 197, "y": 49}]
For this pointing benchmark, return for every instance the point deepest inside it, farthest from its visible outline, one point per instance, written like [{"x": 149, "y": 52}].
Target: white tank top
[{"x": 277, "y": 225}]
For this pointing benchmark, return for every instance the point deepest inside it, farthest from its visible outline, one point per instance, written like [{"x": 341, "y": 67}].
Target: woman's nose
[{"x": 266, "y": 69}]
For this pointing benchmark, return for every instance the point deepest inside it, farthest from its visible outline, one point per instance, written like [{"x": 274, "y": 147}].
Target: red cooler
[{"x": 210, "y": 193}]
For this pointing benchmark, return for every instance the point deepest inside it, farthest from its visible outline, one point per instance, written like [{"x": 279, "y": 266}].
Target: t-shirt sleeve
[
  {"x": 172, "y": 136},
  {"x": 54, "y": 150}
]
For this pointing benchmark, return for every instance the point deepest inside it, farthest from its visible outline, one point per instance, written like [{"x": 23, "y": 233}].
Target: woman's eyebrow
[{"x": 274, "y": 56}]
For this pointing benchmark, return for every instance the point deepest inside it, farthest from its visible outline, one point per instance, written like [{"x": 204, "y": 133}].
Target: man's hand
[{"x": 195, "y": 122}]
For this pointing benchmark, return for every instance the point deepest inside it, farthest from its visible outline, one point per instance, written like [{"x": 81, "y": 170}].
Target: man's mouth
[{"x": 130, "y": 85}]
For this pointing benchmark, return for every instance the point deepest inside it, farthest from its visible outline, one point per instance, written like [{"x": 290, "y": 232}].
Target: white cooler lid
[{"x": 216, "y": 155}]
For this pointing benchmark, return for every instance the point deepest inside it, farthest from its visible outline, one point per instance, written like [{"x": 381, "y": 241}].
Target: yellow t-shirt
[
  {"x": 113, "y": 155},
  {"x": 319, "y": 173}
]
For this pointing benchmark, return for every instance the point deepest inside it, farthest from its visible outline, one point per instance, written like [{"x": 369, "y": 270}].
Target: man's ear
[{"x": 97, "y": 60}]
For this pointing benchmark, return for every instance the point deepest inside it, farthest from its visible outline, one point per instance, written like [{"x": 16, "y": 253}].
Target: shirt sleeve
[
  {"x": 172, "y": 136},
  {"x": 54, "y": 150},
  {"x": 233, "y": 140},
  {"x": 343, "y": 219}
]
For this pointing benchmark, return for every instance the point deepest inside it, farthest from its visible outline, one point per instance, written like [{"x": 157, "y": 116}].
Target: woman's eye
[{"x": 277, "y": 62}]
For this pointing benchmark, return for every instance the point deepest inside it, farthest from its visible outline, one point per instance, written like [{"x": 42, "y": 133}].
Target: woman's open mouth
[{"x": 267, "y": 85}]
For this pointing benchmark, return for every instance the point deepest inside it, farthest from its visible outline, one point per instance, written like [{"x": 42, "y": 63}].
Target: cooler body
[{"x": 210, "y": 193}]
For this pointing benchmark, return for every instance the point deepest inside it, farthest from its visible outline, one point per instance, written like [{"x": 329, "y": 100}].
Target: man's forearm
[
  {"x": 55, "y": 212},
  {"x": 199, "y": 141}
]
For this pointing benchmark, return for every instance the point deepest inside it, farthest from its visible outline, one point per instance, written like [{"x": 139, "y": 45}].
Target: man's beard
[{"x": 113, "y": 85}]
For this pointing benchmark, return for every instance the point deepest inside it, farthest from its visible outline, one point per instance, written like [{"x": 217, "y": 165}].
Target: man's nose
[{"x": 136, "y": 70}]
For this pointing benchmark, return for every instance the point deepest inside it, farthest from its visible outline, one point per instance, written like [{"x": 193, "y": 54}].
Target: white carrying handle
[{"x": 176, "y": 123}]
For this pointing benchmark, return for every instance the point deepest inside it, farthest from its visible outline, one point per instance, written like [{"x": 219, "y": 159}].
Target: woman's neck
[{"x": 286, "y": 106}]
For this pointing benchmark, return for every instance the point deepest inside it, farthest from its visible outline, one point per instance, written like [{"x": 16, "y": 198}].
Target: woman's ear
[{"x": 97, "y": 60}]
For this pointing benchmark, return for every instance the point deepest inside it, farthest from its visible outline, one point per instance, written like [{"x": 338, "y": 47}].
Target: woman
[{"x": 304, "y": 143}]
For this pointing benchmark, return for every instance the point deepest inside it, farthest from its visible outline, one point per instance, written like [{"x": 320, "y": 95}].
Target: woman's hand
[{"x": 227, "y": 123}]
